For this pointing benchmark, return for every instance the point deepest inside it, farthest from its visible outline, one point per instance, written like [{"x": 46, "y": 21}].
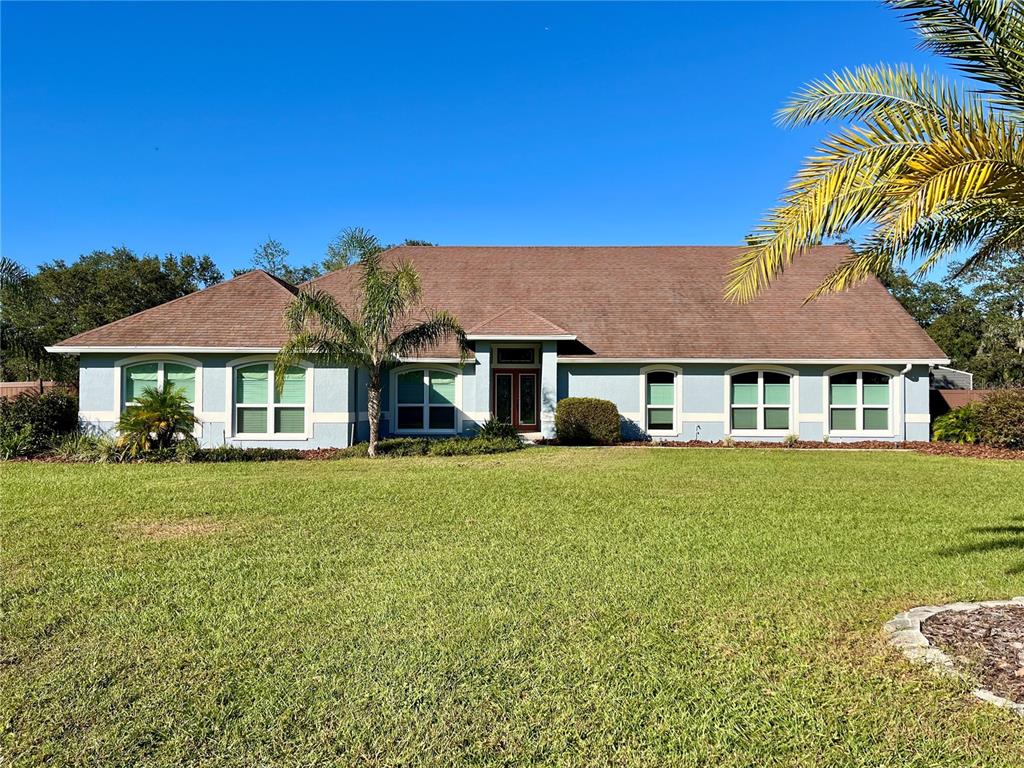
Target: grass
[{"x": 556, "y": 606}]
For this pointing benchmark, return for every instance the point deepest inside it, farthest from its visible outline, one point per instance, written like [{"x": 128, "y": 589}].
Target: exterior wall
[
  {"x": 329, "y": 417},
  {"x": 705, "y": 401},
  {"x": 337, "y": 414}
]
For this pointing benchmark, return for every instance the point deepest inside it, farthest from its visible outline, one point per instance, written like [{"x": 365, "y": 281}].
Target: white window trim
[
  {"x": 760, "y": 431},
  {"x": 677, "y": 405},
  {"x": 232, "y": 416},
  {"x": 537, "y": 352},
  {"x": 127, "y": 362},
  {"x": 426, "y": 368},
  {"x": 894, "y": 379}
]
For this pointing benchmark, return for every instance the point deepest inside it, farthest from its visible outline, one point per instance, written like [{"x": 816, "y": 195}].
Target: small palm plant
[
  {"x": 385, "y": 330},
  {"x": 158, "y": 419},
  {"x": 928, "y": 165}
]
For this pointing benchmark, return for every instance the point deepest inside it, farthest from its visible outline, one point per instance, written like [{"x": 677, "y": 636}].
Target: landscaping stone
[{"x": 909, "y": 631}]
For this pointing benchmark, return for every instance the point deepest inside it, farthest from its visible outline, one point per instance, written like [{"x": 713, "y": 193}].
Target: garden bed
[
  {"x": 986, "y": 642},
  {"x": 939, "y": 449}
]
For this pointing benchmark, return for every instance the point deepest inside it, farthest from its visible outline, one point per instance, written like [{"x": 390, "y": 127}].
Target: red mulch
[
  {"x": 986, "y": 642},
  {"x": 936, "y": 449}
]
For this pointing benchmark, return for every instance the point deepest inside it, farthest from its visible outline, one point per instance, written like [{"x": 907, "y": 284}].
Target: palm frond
[
  {"x": 436, "y": 328},
  {"x": 984, "y": 38},
  {"x": 875, "y": 92}
]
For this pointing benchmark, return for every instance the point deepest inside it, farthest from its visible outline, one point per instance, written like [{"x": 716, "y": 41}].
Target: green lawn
[{"x": 556, "y": 606}]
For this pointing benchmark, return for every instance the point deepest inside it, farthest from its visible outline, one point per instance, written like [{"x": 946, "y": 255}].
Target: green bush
[
  {"x": 474, "y": 446},
  {"x": 14, "y": 443},
  {"x": 960, "y": 425},
  {"x": 497, "y": 429},
  {"x": 1001, "y": 418},
  {"x": 226, "y": 453},
  {"x": 396, "y": 447},
  {"x": 586, "y": 421},
  {"x": 34, "y": 423},
  {"x": 87, "y": 448},
  {"x": 159, "y": 421}
]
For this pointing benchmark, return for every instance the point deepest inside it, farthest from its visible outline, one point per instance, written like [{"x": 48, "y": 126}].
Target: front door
[{"x": 514, "y": 399}]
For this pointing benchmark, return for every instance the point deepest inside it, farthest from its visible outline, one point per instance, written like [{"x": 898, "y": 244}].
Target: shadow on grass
[{"x": 992, "y": 538}]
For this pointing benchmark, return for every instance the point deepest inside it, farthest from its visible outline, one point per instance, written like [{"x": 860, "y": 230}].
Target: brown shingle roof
[
  {"x": 620, "y": 302},
  {"x": 245, "y": 312},
  {"x": 516, "y": 321}
]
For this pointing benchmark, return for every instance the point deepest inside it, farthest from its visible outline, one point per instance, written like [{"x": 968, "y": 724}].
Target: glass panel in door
[
  {"x": 527, "y": 399},
  {"x": 503, "y": 397}
]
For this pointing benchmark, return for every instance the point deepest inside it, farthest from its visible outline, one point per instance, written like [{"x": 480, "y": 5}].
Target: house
[{"x": 644, "y": 327}]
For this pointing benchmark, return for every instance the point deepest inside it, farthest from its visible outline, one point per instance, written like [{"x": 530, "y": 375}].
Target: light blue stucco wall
[
  {"x": 705, "y": 399},
  {"x": 331, "y": 423},
  {"x": 339, "y": 403}
]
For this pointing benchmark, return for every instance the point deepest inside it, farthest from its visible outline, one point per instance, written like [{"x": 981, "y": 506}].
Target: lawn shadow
[{"x": 992, "y": 538}]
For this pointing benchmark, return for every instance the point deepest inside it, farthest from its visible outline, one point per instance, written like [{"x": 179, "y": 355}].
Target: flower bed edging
[{"x": 905, "y": 633}]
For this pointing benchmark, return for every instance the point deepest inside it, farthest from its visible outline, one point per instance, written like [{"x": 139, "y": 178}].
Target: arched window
[
  {"x": 760, "y": 401},
  {"x": 261, "y": 409},
  {"x": 158, "y": 375},
  {"x": 425, "y": 400},
  {"x": 859, "y": 401},
  {"x": 660, "y": 392}
]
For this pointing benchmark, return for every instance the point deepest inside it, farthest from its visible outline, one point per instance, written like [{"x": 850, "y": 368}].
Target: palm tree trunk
[{"x": 373, "y": 411}]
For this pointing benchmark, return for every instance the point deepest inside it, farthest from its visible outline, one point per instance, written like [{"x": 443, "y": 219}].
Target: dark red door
[{"x": 514, "y": 398}]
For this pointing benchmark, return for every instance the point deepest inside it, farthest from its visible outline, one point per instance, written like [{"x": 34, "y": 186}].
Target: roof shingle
[{"x": 654, "y": 302}]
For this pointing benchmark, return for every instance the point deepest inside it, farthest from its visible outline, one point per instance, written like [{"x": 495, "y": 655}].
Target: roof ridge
[
  {"x": 175, "y": 301},
  {"x": 312, "y": 280}
]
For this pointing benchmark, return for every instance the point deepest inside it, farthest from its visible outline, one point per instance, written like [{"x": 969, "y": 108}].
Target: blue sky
[{"x": 204, "y": 128}]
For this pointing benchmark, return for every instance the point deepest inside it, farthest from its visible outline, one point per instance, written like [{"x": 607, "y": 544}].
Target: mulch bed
[
  {"x": 985, "y": 642},
  {"x": 936, "y": 449}
]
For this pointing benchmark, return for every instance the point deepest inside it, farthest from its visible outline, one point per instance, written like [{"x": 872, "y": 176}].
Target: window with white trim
[
  {"x": 159, "y": 374},
  {"x": 259, "y": 413},
  {"x": 760, "y": 401},
  {"x": 425, "y": 400},
  {"x": 660, "y": 389},
  {"x": 859, "y": 401}
]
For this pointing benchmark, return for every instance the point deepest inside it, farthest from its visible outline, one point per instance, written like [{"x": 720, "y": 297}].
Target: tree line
[
  {"x": 976, "y": 318},
  {"x": 61, "y": 299}
]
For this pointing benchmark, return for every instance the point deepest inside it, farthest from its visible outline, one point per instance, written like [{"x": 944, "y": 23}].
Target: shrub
[
  {"x": 35, "y": 422},
  {"x": 393, "y": 447},
  {"x": 1001, "y": 418},
  {"x": 85, "y": 447},
  {"x": 157, "y": 422},
  {"x": 960, "y": 425},
  {"x": 15, "y": 443},
  {"x": 790, "y": 440},
  {"x": 226, "y": 453},
  {"x": 586, "y": 421},
  {"x": 497, "y": 429},
  {"x": 474, "y": 446}
]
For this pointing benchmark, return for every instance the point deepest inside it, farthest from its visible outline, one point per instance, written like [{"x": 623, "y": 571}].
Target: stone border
[{"x": 905, "y": 633}]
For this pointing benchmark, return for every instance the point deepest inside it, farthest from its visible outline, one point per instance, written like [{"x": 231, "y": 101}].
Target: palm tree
[
  {"x": 159, "y": 419},
  {"x": 385, "y": 331},
  {"x": 929, "y": 166}
]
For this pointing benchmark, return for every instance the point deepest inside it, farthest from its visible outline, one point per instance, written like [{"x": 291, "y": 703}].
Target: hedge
[
  {"x": 587, "y": 421},
  {"x": 40, "y": 420}
]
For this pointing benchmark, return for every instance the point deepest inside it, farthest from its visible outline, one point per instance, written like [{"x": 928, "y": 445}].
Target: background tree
[
  {"x": 272, "y": 257},
  {"x": 388, "y": 325},
  {"x": 61, "y": 300},
  {"x": 977, "y": 318},
  {"x": 927, "y": 165},
  {"x": 353, "y": 244}
]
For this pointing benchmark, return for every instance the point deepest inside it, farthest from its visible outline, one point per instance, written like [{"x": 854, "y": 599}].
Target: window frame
[
  {"x": 677, "y": 400},
  {"x": 231, "y": 371},
  {"x": 122, "y": 365},
  {"x": 859, "y": 407},
  {"x": 760, "y": 430},
  {"x": 497, "y": 348},
  {"x": 425, "y": 403}
]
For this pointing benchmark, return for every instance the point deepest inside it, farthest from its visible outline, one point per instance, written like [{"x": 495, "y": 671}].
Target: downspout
[{"x": 903, "y": 402}]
